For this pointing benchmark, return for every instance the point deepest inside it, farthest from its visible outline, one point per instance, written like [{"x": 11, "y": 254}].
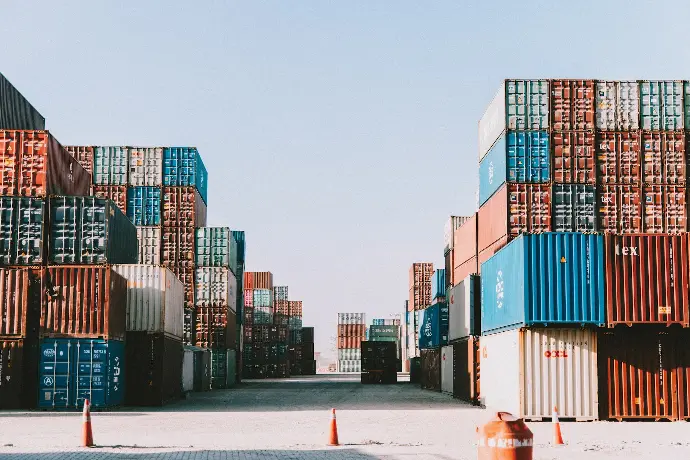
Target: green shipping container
[{"x": 216, "y": 247}]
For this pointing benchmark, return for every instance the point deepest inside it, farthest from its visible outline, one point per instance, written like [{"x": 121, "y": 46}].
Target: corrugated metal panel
[
  {"x": 83, "y": 154},
  {"x": 619, "y": 158},
  {"x": 183, "y": 206},
  {"x": 466, "y": 361},
  {"x": 146, "y": 166},
  {"x": 493, "y": 122},
  {"x": 215, "y": 247},
  {"x": 241, "y": 245},
  {"x": 22, "y": 231},
  {"x": 489, "y": 252},
  {"x": 682, "y": 357},
  {"x": 572, "y": 105},
  {"x": 20, "y": 302},
  {"x": 661, "y": 105},
  {"x": 111, "y": 165},
  {"x": 150, "y": 245},
  {"x": 465, "y": 241},
  {"x": 183, "y": 167},
  {"x": 280, "y": 293},
  {"x": 618, "y": 105},
  {"x": 144, "y": 205},
  {"x": 430, "y": 362},
  {"x": 454, "y": 222},
  {"x": 346, "y": 318},
  {"x": 258, "y": 280},
  {"x": 665, "y": 209},
  {"x": 574, "y": 157},
  {"x": 620, "y": 209},
  {"x": 664, "y": 161},
  {"x": 574, "y": 208},
  {"x": 116, "y": 193},
  {"x": 462, "y": 271},
  {"x": 438, "y": 283},
  {"x": 433, "y": 326},
  {"x": 214, "y": 288},
  {"x": 632, "y": 295},
  {"x": 15, "y": 111},
  {"x": 155, "y": 299},
  {"x": 553, "y": 278},
  {"x": 464, "y": 309},
  {"x": 187, "y": 370},
  {"x": 447, "y": 374},
  {"x": 186, "y": 274},
  {"x": 18, "y": 364},
  {"x": 213, "y": 330}
]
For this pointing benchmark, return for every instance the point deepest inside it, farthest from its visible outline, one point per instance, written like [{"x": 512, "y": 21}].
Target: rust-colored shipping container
[
  {"x": 663, "y": 158},
  {"x": 620, "y": 209},
  {"x": 83, "y": 154},
  {"x": 33, "y": 163},
  {"x": 514, "y": 209},
  {"x": 84, "y": 302},
  {"x": 178, "y": 247},
  {"x": 281, "y": 307},
  {"x": 646, "y": 279},
  {"x": 186, "y": 274},
  {"x": 258, "y": 280},
  {"x": 463, "y": 270},
  {"x": 572, "y": 105},
  {"x": 466, "y": 360},
  {"x": 574, "y": 157},
  {"x": 20, "y": 302},
  {"x": 352, "y": 330},
  {"x": 465, "y": 240},
  {"x": 619, "y": 158},
  {"x": 430, "y": 372},
  {"x": 295, "y": 308},
  {"x": 183, "y": 207},
  {"x": 664, "y": 209},
  {"x": 117, "y": 193},
  {"x": 420, "y": 272},
  {"x": 350, "y": 342},
  {"x": 215, "y": 328},
  {"x": 18, "y": 373},
  {"x": 420, "y": 297}
]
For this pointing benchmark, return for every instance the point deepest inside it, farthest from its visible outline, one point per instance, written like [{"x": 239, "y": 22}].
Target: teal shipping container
[
  {"x": 216, "y": 247},
  {"x": 383, "y": 331},
  {"x": 543, "y": 280},
  {"x": 438, "y": 283},
  {"x": 263, "y": 298},
  {"x": 183, "y": 167},
  {"x": 21, "y": 230},
  {"x": 90, "y": 230},
  {"x": 433, "y": 326},
  {"x": 144, "y": 205},
  {"x": 241, "y": 246}
]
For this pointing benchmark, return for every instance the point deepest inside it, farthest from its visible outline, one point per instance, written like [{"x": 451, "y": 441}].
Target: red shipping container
[
  {"x": 20, "y": 302},
  {"x": 183, "y": 207},
  {"x": 465, "y": 240},
  {"x": 665, "y": 209},
  {"x": 282, "y": 307},
  {"x": 84, "y": 302},
  {"x": 84, "y": 155},
  {"x": 574, "y": 158},
  {"x": 295, "y": 308},
  {"x": 258, "y": 280},
  {"x": 620, "y": 209},
  {"x": 619, "y": 158},
  {"x": 117, "y": 193},
  {"x": 663, "y": 156},
  {"x": 420, "y": 273},
  {"x": 572, "y": 105},
  {"x": 33, "y": 163},
  {"x": 646, "y": 279}
]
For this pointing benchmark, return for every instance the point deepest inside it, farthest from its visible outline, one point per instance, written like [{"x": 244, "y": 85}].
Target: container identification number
[{"x": 556, "y": 354}]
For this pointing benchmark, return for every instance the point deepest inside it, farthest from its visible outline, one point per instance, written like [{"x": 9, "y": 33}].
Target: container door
[
  {"x": 54, "y": 374},
  {"x": 447, "y": 373}
]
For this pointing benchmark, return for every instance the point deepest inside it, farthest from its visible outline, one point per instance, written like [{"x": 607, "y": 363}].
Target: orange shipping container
[
  {"x": 258, "y": 280},
  {"x": 295, "y": 307},
  {"x": 618, "y": 157},
  {"x": 663, "y": 157},
  {"x": 20, "y": 302},
  {"x": 572, "y": 105},
  {"x": 620, "y": 209},
  {"x": 664, "y": 209},
  {"x": 574, "y": 158},
  {"x": 465, "y": 240},
  {"x": 420, "y": 273}
]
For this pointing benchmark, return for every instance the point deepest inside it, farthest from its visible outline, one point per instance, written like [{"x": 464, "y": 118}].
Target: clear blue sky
[{"x": 339, "y": 135}]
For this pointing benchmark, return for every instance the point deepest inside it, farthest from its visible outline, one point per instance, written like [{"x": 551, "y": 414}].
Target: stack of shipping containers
[
  {"x": 240, "y": 240},
  {"x": 419, "y": 298},
  {"x": 351, "y": 333},
  {"x": 387, "y": 330},
  {"x": 433, "y": 333}
]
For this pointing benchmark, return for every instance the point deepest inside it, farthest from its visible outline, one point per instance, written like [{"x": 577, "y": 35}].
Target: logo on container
[
  {"x": 499, "y": 289},
  {"x": 491, "y": 172},
  {"x": 626, "y": 250}
]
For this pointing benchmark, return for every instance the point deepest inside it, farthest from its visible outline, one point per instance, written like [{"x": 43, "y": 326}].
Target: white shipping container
[
  {"x": 351, "y": 318},
  {"x": 215, "y": 286},
  {"x": 146, "y": 166},
  {"x": 460, "y": 303},
  {"x": 149, "y": 245},
  {"x": 529, "y": 371},
  {"x": 188, "y": 371},
  {"x": 617, "y": 105},
  {"x": 155, "y": 299},
  {"x": 349, "y": 366},
  {"x": 349, "y": 354},
  {"x": 447, "y": 374}
]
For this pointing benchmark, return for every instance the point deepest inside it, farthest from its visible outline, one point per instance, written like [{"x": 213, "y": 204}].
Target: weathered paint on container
[
  {"x": 72, "y": 370},
  {"x": 618, "y": 106},
  {"x": 186, "y": 275},
  {"x": 548, "y": 279},
  {"x": 433, "y": 326},
  {"x": 574, "y": 208},
  {"x": 155, "y": 299},
  {"x": 84, "y": 302},
  {"x": 466, "y": 367},
  {"x": 18, "y": 364},
  {"x": 33, "y": 163},
  {"x": 111, "y": 165},
  {"x": 20, "y": 302},
  {"x": 178, "y": 247},
  {"x": 215, "y": 287},
  {"x": 518, "y": 105},
  {"x": 663, "y": 158},
  {"x": 430, "y": 363},
  {"x": 572, "y": 105},
  {"x": 632, "y": 294},
  {"x": 215, "y": 247},
  {"x": 16, "y": 112},
  {"x": 83, "y": 154},
  {"x": 620, "y": 209},
  {"x": 183, "y": 207},
  {"x": 438, "y": 283},
  {"x": 146, "y": 166},
  {"x": 664, "y": 209},
  {"x": 150, "y": 245},
  {"x": 154, "y": 369},
  {"x": 215, "y": 327},
  {"x": 527, "y": 372},
  {"x": 116, "y": 193},
  {"x": 464, "y": 310},
  {"x": 183, "y": 167},
  {"x": 518, "y": 156},
  {"x": 258, "y": 280},
  {"x": 661, "y": 105},
  {"x": 144, "y": 205},
  {"x": 447, "y": 373},
  {"x": 619, "y": 158},
  {"x": 465, "y": 241},
  {"x": 453, "y": 223},
  {"x": 89, "y": 230},
  {"x": 22, "y": 231},
  {"x": 574, "y": 159}
]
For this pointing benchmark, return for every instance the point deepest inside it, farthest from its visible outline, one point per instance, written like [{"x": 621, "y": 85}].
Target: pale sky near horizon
[{"x": 339, "y": 135}]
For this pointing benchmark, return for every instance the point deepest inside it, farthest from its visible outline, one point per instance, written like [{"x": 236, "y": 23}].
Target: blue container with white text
[
  {"x": 438, "y": 283},
  {"x": 433, "y": 326},
  {"x": 183, "y": 167}
]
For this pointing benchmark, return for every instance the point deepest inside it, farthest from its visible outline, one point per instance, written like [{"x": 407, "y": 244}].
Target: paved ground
[{"x": 288, "y": 419}]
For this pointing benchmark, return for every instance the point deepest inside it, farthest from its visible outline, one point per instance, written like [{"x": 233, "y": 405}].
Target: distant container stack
[
  {"x": 351, "y": 334},
  {"x": 420, "y": 297}
]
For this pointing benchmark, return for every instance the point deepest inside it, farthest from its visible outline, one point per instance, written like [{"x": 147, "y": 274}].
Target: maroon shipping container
[
  {"x": 430, "y": 372},
  {"x": 214, "y": 328},
  {"x": 248, "y": 333},
  {"x": 33, "y": 163},
  {"x": 465, "y": 240},
  {"x": 295, "y": 307},
  {"x": 574, "y": 158},
  {"x": 18, "y": 374},
  {"x": 664, "y": 209},
  {"x": 620, "y": 209},
  {"x": 619, "y": 158},
  {"x": 178, "y": 247},
  {"x": 646, "y": 279},
  {"x": 183, "y": 207},
  {"x": 663, "y": 156},
  {"x": 84, "y": 155},
  {"x": 278, "y": 334},
  {"x": 117, "y": 193},
  {"x": 20, "y": 302},
  {"x": 248, "y": 313},
  {"x": 352, "y": 330},
  {"x": 258, "y": 280},
  {"x": 466, "y": 359},
  {"x": 84, "y": 302},
  {"x": 572, "y": 105},
  {"x": 153, "y": 368}
]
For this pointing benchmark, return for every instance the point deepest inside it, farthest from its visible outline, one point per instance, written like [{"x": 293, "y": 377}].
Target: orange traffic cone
[
  {"x": 87, "y": 434},
  {"x": 334, "y": 431},
  {"x": 557, "y": 437}
]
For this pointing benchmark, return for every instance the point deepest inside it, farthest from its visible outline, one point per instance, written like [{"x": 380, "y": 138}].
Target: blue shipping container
[
  {"x": 541, "y": 280},
  {"x": 241, "y": 245},
  {"x": 72, "y": 370},
  {"x": 433, "y": 326},
  {"x": 438, "y": 283},
  {"x": 183, "y": 167},
  {"x": 517, "y": 156},
  {"x": 144, "y": 205}
]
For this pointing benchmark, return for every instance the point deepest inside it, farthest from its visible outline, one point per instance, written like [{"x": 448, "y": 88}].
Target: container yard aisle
[{"x": 289, "y": 419}]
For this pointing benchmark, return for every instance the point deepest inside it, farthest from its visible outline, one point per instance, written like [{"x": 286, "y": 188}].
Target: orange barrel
[{"x": 505, "y": 438}]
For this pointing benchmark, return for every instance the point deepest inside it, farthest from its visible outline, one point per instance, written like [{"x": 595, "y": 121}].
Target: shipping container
[
  {"x": 454, "y": 222},
  {"x": 239, "y": 237},
  {"x": 20, "y": 303},
  {"x": 351, "y": 330},
  {"x": 83, "y": 154},
  {"x": 464, "y": 311},
  {"x": 619, "y": 158},
  {"x": 466, "y": 370},
  {"x": 178, "y": 248},
  {"x": 144, "y": 205},
  {"x": 664, "y": 209},
  {"x": 183, "y": 207},
  {"x": 663, "y": 157},
  {"x": 258, "y": 280},
  {"x": 430, "y": 372},
  {"x": 308, "y": 335},
  {"x": 146, "y": 166},
  {"x": 15, "y": 111},
  {"x": 111, "y": 165},
  {"x": 187, "y": 370},
  {"x": 349, "y": 366},
  {"x": 574, "y": 159},
  {"x": 295, "y": 307},
  {"x": 518, "y": 105},
  {"x": 150, "y": 245},
  {"x": 347, "y": 342},
  {"x": 572, "y": 105},
  {"x": 280, "y": 293},
  {"x": 433, "y": 326},
  {"x": 219, "y": 369},
  {"x": 201, "y": 367},
  {"x": 383, "y": 331},
  {"x": 618, "y": 106},
  {"x": 116, "y": 193},
  {"x": 520, "y": 157},
  {"x": 447, "y": 372},
  {"x": 215, "y": 328},
  {"x": 155, "y": 299},
  {"x": 548, "y": 279},
  {"x": 465, "y": 241},
  {"x": 183, "y": 167},
  {"x": 349, "y": 354},
  {"x": 661, "y": 105},
  {"x": 466, "y": 269},
  {"x": 527, "y": 372},
  {"x": 574, "y": 208},
  {"x": 420, "y": 273},
  {"x": 154, "y": 369},
  {"x": 620, "y": 209},
  {"x": 449, "y": 265},
  {"x": 280, "y": 307},
  {"x": 84, "y": 302},
  {"x": 189, "y": 326},
  {"x": 89, "y": 230},
  {"x": 33, "y": 163},
  {"x": 18, "y": 364},
  {"x": 22, "y": 231},
  {"x": 379, "y": 356},
  {"x": 438, "y": 284},
  {"x": 263, "y": 298},
  {"x": 73, "y": 370},
  {"x": 215, "y": 287},
  {"x": 632, "y": 295},
  {"x": 215, "y": 247}
]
